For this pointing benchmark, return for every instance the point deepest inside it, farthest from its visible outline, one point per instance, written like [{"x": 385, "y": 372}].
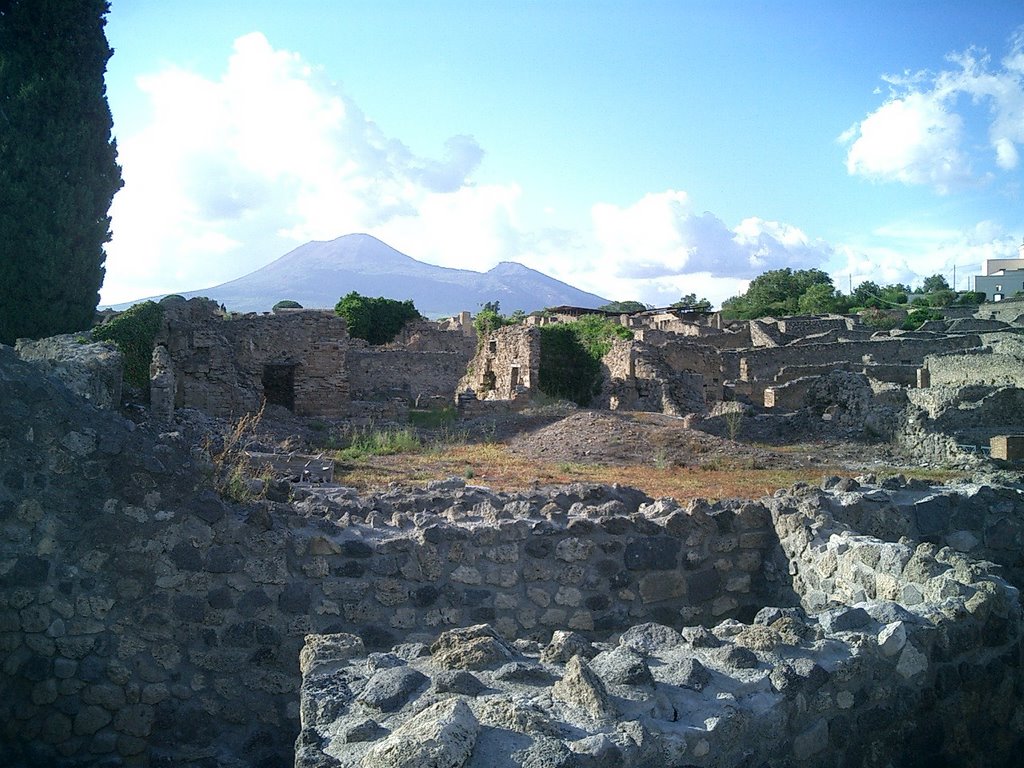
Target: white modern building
[{"x": 1003, "y": 278}]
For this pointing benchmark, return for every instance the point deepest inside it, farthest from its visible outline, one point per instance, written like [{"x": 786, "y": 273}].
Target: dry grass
[{"x": 493, "y": 465}]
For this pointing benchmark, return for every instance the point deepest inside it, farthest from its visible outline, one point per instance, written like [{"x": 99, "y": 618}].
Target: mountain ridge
[{"x": 320, "y": 272}]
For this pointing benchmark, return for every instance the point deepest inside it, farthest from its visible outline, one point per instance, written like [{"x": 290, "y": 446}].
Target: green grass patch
[
  {"x": 433, "y": 418},
  {"x": 381, "y": 442}
]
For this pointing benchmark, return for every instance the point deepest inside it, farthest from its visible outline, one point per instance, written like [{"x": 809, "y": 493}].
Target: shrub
[
  {"x": 377, "y": 320},
  {"x": 570, "y": 356},
  {"x": 920, "y": 315},
  {"x": 286, "y": 304},
  {"x": 134, "y": 331},
  {"x": 881, "y": 319}
]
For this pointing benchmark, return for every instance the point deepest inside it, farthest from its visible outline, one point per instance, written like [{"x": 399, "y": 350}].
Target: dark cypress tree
[{"x": 58, "y": 165}]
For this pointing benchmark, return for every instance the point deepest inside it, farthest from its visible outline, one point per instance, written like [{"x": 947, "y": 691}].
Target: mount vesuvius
[{"x": 317, "y": 274}]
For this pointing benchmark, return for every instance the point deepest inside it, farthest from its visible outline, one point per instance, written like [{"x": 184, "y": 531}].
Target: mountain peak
[{"x": 319, "y": 273}]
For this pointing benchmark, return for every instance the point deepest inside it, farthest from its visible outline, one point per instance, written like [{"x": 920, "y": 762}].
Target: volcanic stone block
[{"x": 652, "y": 553}]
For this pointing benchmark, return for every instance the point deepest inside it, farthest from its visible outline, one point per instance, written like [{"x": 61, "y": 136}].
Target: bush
[
  {"x": 570, "y": 356},
  {"x": 377, "y": 320},
  {"x": 134, "y": 332},
  {"x": 920, "y": 315},
  {"x": 881, "y": 319},
  {"x": 286, "y": 304}
]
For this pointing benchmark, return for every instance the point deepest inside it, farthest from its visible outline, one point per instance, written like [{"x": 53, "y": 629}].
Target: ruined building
[{"x": 305, "y": 361}]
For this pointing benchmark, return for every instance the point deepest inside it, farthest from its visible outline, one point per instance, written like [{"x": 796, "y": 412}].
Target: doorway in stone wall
[{"x": 279, "y": 384}]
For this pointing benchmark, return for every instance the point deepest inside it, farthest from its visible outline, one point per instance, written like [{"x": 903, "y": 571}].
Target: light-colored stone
[{"x": 441, "y": 736}]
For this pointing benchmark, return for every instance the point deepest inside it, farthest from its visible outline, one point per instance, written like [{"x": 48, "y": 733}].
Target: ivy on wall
[
  {"x": 570, "y": 356},
  {"x": 134, "y": 331}
]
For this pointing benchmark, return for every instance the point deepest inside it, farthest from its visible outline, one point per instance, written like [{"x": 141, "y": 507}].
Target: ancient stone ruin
[{"x": 146, "y": 620}]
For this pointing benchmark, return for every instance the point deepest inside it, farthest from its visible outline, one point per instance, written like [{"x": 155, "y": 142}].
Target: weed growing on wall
[
  {"x": 570, "y": 356},
  {"x": 134, "y": 332},
  {"x": 233, "y": 471}
]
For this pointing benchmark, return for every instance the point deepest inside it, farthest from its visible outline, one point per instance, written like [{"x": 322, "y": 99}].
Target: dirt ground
[
  {"x": 561, "y": 433},
  {"x": 628, "y": 438}
]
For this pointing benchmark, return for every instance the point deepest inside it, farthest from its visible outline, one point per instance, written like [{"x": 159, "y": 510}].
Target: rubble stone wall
[
  {"x": 219, "y": 364},
  {"x": 638, "y": 378},
  {"x": 976, "y": 366},
  {"x": 759, "y": 367},
  {"x": 93, "y": 371},
  {"x": 376, "y": 374},
  {"x": 905, "y": 655},
  {"x": 505, "y": 364},
  {"x": 808, "y": 326}
]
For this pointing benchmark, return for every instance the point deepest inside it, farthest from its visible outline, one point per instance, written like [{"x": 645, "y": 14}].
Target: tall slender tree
[{"x": 58, "y": 165}]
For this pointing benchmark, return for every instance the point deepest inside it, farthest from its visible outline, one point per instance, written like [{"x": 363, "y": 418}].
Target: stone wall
[
  {"x": 904, "y": 655},
  {"x": 636, "y": 377},
  {"x": 376, "y": 374},
  {"x": 976, "y": 366},
  {"x": 758, "y": 367},
  {"x": 146, "y": 621},
  {"x": 305, "y": 361},
  {"x": 1010, "y": 310},
  {"x": 507, "y": 364},
  {"x": 93, "y": 371},
  {"x": 810, "y": 325},
  {"x": 224, "y": 366}
]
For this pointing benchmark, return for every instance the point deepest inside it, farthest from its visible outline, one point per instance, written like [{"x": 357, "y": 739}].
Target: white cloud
[
  {"x": 232, "y": 172},
  {"x": 919, "y": 135},
  {"x": 660, "y": 235},
  {"x": 907, "y": 253}
]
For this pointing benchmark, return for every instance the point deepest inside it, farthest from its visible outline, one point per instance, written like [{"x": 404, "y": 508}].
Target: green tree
[
  {"x": 776, "y": 292},
  {"x": 690, "y": 301},
  {"x": 970, "y": 297},
  {"x": 867, "y": 294},
  {"x": 935, "y": 283},
  {"x": 377, "y": 320},
  {"x": 894, "y": 294},
  {"x": 942, "y": 297},
  {"x": 286, "y": 304},
  {"x": 488, "y": 320},
  {"x": 58, "y": 165},
  {"x": 623, "y": 307},
  {"x": 818, "y": 299}
]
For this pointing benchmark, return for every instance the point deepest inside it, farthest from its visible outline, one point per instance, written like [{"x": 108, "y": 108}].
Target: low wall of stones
[
  {"x": 759, "y": 367},
  {"x": 983, "y": 522},
  {"x": 977, "y": 366},
  {"x": 807, "y": 326},
  {"x": 790, "y": 396},
  {"x": 904, "y": 375},
  {"x": 92, "y": 371},
  {"x": 904, "y": 656},
  {"x": 1009, "y": 310}
]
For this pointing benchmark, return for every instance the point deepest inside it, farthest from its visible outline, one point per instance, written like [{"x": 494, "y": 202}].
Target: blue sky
[{"x": 639, "y": 150}]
